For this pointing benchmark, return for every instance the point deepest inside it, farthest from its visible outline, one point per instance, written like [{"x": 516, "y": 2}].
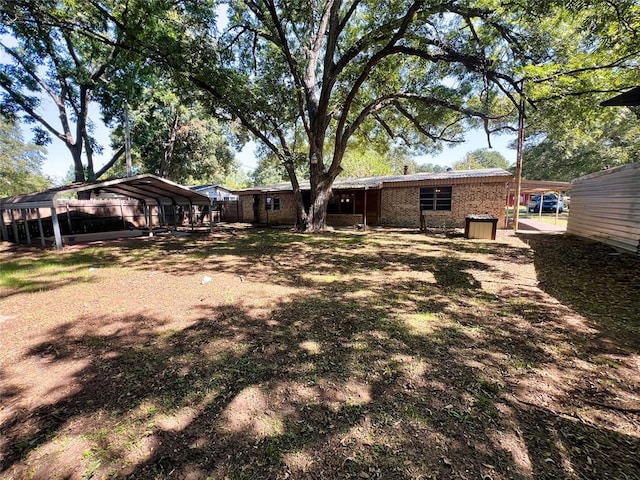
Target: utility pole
[{"x": 519, "y": 149}]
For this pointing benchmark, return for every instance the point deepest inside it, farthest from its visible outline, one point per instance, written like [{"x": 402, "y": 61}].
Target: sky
[{"x": 58, "y": 159}]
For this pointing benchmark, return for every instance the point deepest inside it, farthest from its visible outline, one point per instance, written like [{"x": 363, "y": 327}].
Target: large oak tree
[{"x": 306, "y": 78}]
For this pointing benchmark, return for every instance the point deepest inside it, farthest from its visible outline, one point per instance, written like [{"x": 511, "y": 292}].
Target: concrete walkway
[{"x": 528, "y": 224}]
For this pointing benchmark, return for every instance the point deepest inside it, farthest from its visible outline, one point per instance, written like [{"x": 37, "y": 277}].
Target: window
[
  {"x": 435, "y": 198},
  {"x": 346, "y": 202},
  {"x": 341, "y": 203},
  {"x": 272, "y": 203}
]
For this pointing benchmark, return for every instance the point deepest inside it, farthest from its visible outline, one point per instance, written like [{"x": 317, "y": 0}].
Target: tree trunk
[
  {"x": 78, "y": 168},
  {"x": 317, "y": 218},
  {"x": 168, "y": 149}
]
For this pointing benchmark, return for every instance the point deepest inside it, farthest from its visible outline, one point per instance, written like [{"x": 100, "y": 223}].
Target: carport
[
  {"x": 147, "y": 189},
  {"x": 539, "y": 187}
]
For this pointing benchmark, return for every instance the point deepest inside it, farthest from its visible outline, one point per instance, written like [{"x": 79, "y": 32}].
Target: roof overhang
[
  {"x": 453, "y": 177},
  {"x": 626, "y": 99},
  {"x": 145, "y": 188}
]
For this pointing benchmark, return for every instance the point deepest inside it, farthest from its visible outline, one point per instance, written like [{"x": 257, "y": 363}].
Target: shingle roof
[{"x": 378, "y": 182}]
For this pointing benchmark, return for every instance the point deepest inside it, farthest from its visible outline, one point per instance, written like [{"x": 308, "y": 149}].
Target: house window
[
  {"x": 341, "y": 203},
  {"x": 272, "y": 203},
  {"x": 347, "y": 202},
  {"x": 435, "y": 198}
]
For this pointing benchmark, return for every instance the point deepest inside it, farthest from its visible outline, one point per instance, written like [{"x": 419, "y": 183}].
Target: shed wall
[{"x": 606, "y": 207}]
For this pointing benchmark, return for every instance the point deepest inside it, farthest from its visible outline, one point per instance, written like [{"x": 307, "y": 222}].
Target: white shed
[{"x": 605, "y": 206}]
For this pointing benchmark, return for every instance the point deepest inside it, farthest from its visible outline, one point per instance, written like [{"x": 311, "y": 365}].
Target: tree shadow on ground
[
  {"x": 594, "y": 279},
  {"x": 418, "y": 372}
]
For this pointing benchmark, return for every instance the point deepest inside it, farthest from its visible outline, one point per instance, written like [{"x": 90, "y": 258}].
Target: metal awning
[
  {"x": 540, "y": 186},
  {"x": 148, "y": 189},
  {"x": 626, "y": 99}
]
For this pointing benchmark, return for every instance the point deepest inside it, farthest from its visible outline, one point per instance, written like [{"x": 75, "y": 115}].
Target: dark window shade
[{"x": 435, "y": 198}]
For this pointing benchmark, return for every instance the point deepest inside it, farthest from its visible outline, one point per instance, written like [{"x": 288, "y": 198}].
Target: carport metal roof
[
  {"x": 146, "y": 188},
  {"x": 540, "y": 186}
]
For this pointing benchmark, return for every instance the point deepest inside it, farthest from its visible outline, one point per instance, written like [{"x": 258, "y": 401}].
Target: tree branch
[
  {"x": 116, "y": 156},
  {"x": 20, "y": 100},
  {"x": 419, "y": 127},
  {"x": 616, "y": 63},
  {"x": 342, "y": 134}
]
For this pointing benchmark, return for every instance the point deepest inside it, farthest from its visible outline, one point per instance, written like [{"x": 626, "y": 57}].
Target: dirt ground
[{"x": 389, "y": 354}]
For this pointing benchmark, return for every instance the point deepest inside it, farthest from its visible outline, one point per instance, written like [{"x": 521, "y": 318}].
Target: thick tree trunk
[
  {"x": 315, "y": 220},
  {"x": 78, "y": 168},
  {"x": 318, "y": 208}
]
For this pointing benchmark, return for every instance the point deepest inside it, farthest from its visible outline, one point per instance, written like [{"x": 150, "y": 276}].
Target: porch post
[{"x": 365, "y": 208}]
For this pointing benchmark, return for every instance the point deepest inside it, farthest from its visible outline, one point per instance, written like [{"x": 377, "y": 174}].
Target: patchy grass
[{"x": 385, "y": 354}]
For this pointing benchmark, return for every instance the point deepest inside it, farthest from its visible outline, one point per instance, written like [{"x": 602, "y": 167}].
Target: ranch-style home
[{"x": 442, "y": 199}]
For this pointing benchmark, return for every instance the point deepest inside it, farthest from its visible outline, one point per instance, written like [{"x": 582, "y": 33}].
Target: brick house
[{"x": 442, "y": 198}]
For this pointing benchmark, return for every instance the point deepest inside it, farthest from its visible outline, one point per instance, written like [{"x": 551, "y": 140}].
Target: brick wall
[
  {"x": 400, "y": 206},
  {"x": 343, "y": 219},
  {"x": 286, "y": 215}
]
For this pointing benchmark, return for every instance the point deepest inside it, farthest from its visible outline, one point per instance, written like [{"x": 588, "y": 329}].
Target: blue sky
[{"x": 58, "y": 159}]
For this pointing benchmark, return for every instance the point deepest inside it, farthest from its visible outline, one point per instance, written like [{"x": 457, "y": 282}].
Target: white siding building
[{"x": 605, "y": 206}]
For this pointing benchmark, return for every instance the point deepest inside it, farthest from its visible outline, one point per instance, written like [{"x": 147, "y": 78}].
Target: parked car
[{"x": 550, "y": 203}]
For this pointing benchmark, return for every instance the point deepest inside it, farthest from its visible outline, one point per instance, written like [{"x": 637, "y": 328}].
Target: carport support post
[
  {"x": 14, "y": 225},
  {"x": 4, "y": 235},
  {"x": 519, "y": 153},
  {"x": 210, "y": 216},
  {"x": 175, "y": 215},
  {"x": 541, "y": 203},
  {"x": 162, "y": 212},
  {"x": 365, "y": 208},
  {"x": 40, "y": 229},
  {"x": 124, "y": 223},
  {"x": 56, "y": 228},
  {"x": 191, "y": 214},
  {"x": 25, "y": 215},
  {"x": 557, "y": 208},
  {"x": 69, "y": 219}
]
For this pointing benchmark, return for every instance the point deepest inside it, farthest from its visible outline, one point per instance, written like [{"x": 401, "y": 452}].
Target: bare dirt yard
[{"x": 249, "y": 354}]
